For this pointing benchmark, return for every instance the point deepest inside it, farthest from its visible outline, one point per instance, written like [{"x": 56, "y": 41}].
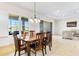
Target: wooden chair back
[
  {"x": 23, "y": 34},
  {"x": 48, "y": 35},
  {"x": 32, "y": 33},
  {"x": 16, "y": 41},
  {"x": 39, "y": 36}
]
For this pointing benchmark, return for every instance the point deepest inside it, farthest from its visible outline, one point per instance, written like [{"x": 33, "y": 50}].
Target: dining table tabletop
[{"x": 28, "y": 40}]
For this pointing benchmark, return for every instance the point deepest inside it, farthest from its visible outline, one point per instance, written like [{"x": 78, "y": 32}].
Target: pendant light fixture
[{"x": 35, "y": 18}]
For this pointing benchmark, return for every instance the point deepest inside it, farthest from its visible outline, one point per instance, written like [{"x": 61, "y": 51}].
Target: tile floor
[{"x": 60, "y": 47}]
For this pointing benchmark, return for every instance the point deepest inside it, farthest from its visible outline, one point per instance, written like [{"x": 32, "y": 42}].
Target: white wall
[
  {"x": 34, "y": 26},
  {"x": 60, "y": 26},
  {"x": 53, "y": 24},
  {"x": 5, "y": 10}
]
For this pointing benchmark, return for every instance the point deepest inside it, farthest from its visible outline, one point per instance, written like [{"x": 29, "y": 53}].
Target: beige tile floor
[
  {"x": 60, "y": 47},
  {"x": 5, "y": 50},
  {"x": 65, "y": 47}
]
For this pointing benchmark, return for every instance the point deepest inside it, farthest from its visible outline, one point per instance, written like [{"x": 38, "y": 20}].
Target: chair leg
[
  {"x": 15, "y": 52},
  {"x": 25, "y": 50},
  {"x": 45, "y": 50},
  {"x": 49, "y": 47},
  {"x": 35, "y": 53},
  {"x": 42, "y": 52},
  {"x": 50, "y": 43},
  {"x": 18, "y": 53}
]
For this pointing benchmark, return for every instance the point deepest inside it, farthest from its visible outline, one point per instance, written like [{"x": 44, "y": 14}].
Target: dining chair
[
  {"x": 32, "y": 33},
  {"x": 18, "y": 46},
  {"x": 47, "y": 41},
  {"x": 23, "y": 34},
  {"x": 36, "y": 45}
]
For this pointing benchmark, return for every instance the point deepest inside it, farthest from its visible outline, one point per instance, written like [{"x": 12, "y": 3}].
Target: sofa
[{"x": 70, "y": 34}]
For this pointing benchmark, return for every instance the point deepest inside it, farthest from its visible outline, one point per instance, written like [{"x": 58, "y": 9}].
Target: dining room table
[{"x": 28, "y": 40}]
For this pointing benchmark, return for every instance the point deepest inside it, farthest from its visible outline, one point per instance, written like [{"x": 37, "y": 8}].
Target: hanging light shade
[
  {"x": 39, "y": 20},
  {"x": 31, "y": 20},
  {"x": 35, "y": 18}
]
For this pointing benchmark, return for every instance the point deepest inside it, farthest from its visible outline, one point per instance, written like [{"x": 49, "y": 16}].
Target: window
[
  {"x": 25, "y": 24},
  {"x": 13, "y": 24}
]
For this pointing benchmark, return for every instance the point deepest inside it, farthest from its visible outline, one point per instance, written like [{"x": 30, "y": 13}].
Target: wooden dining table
[{"x": 29, "y": 40}]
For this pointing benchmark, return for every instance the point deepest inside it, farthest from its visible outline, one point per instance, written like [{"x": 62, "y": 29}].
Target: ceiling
[{"x": 52, "y": 10}]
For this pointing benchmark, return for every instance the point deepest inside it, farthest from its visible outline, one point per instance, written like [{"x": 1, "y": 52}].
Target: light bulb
[
  {"x": 31, "y": 20},
  {"x": 38, "y": 20}
]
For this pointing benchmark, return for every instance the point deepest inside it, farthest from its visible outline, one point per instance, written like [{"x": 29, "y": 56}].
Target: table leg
[{"x": 28, "y": 48}]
